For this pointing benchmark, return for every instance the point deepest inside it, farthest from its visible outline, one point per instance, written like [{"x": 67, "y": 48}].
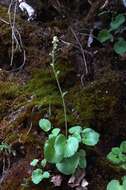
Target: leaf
[
  {"x": 46, "y": 175},
  {"x": 123, "y": 147},
  {"x": 120, "y": 46},
  {"x": 71, "y": 147},
  {"x": 69, "y": 165},
  {"x": 82, "y": 158},
  {"x": 116, "y": 156},
  {"x": 49, "y": 151},
  {"x": 5, "y": 147},
  {"x": 59, "y": 145},
  {"x": 55, "y": 131},
  {"x": 122, "y": 158},
  {"x": 124, "y": 182},
  {"x": 77, "y": 136},
  {"x": 45, "y": 124},
  {"x": 90, "y": 137},
  {"x": 34, "y": 162},
  {"x": 114, "y": 185},
  {"x": 116, "y": 150},
  {"x": 43, "y": 163},
  {"x": 37, "y": 176},
  {"x": 113, "y": 156},
  {"x": 104, "y": 35},
  {"x": 75, "y": 129},
  {"x": 117, "y": 22}
]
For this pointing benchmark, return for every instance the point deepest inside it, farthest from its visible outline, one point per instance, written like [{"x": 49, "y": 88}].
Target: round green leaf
[
  {"x": 34, "y": 162},
  {"x": 120, "y": 46},
  {"x": 77, "y": 136},
  {"x": 37, "y": 176},
  {"x": 117, "y": 21},
  {"x": 46, "y": 175},
  {"x": 122, "y": 157},
  {"x": 75, "y": 129},
  {"x": 114, "y": 158},
  {"x": 55, "y": 131},
  {"x": 43, "y": 163},
  {"x": 71, "y": 147},
  {"x": 123, "y": 147},
  {"x": 104, "y": 35},
  {"x": 69, "y": 165},
  {"x": 90, "y": 137},
  {"x": 49, "y": 151},
  {"x": 124, "y": 182},
  {"x": 116, "y": 150},
  {"x": 45, "y": 124},
  {"x": 59, "y": 146},
  {"x": 114, "y": 185}
]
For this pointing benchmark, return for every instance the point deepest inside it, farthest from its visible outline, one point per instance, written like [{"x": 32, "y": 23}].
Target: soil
[{"x": 28, "y": 90}]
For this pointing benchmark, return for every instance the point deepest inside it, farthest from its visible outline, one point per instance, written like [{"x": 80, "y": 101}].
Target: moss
[
  {"x": 8, "y": 92},
  {"x": 11, "y": 138},
  {"x": 42, "y": 85},
  {"x": 99, "y": 100}
]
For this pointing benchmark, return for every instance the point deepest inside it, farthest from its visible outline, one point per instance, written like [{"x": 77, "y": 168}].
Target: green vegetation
[
  {"x": 110, "y": 34},
  {"x": 45, "y": 124},
  {"x": 118, "y": 155},
  {"x": 116, "y": 185},
  {"x": 65, "y": 152},
  {"x": 6, "y": 148},
  {"x": 56, "y": 73},
  {"x": 38, "y": 174}
]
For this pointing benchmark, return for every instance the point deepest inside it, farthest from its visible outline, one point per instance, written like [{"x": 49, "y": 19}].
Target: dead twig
[
  {"x": 105, "y": 4},
  {"x": 16, "y": 44},
  {"x": 1, "y": 19},
  {"x": 83, "y": 55}
]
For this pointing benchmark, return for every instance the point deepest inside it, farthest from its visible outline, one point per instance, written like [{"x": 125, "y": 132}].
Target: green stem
[{"x": 60, "y": 90}]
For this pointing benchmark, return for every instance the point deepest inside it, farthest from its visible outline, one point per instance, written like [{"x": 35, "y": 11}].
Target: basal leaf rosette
[{"x": 59, "y": 147}]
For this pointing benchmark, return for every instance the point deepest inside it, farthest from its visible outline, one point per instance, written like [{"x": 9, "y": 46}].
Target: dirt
[{"x": 28, "y": 91}]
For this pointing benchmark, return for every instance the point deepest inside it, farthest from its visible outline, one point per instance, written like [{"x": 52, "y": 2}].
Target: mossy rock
[
  {"x": 9, "y": 91},
  {"x": 100, "y": 100}
]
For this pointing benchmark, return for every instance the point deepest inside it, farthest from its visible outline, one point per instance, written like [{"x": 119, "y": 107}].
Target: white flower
[{"x": 55, "y": 40}]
